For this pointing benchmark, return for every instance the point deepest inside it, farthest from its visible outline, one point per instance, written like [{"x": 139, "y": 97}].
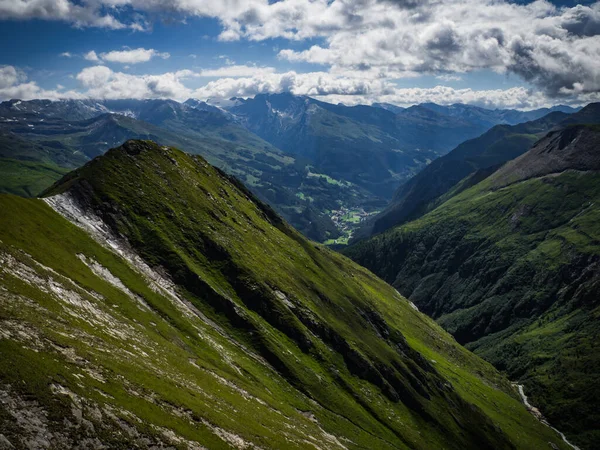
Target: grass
[
  {"x": 508, "y": 272},
  {"x": 304, "y": 329},
  {"x": 27, "y": 178}
]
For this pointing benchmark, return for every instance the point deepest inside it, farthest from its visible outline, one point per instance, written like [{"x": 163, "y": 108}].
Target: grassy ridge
[{"x": 298, "y": 343}]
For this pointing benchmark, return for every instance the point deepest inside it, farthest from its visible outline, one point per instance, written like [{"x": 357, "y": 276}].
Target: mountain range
[
  {"x": 507, "y": 261},
  {"x": 149, "y": 300},
  {"x": 476, "y": 157},
  {"x": 304, "y": 157}
]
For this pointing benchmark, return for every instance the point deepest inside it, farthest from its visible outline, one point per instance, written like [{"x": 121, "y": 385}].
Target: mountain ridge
[
  {"x": 509, "y": 266},
  {"x": 234, "y": 312},
  {"x": 498, "y": 145}
]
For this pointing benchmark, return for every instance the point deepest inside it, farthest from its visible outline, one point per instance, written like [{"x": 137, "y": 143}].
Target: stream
[{"x": 540, "y": 417}]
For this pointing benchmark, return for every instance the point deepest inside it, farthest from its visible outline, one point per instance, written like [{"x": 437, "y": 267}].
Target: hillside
[
  {"x": 205, "y": 321},
  {"x": 27, "y": 178},
  {"x": 509, "y": 266},
  {"x": 500, "y": 144}
]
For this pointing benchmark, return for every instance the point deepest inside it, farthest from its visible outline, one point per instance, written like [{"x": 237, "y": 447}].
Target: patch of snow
[
  {"x": 284, "y": 298},
  {"x": 68, "y": 207}
]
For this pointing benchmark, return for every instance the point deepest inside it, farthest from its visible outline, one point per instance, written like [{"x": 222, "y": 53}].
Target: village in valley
[{"x": 347, "y": 220}]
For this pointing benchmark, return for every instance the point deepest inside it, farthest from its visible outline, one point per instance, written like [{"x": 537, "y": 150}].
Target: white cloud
[
  {"x": 14, "y": 84},
  {"x": 351, "y": 91},
  {"x": 91, "y": 56},
  {"x": 133, "y": 56},
  {"x": 448, "y": 77},
  {"x": 311, "y": 84},
  {"x": 66, "y": 55},
  {"x": 554, "y": 48},
  {"x": 81, "y": 15},
  {"x": 236, "y": 71},
  {"x": 9, "y": 76},
  {"x": 557, "y": 49},
  {"x": 102, "y": 82}
]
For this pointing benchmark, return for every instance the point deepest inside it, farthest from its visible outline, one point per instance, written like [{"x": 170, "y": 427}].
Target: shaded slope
[
  {"x": 510, "y": 268},
  {"x": 500, "y": 144},
  {"x": 260, "y": 338}
]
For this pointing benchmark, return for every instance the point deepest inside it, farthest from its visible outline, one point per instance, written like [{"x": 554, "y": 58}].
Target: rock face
[
  {"x": 510, "y": 267},
  {"x": 150, "y": 301}
]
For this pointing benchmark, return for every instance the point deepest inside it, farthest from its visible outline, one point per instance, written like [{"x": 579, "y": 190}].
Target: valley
[
  {"x": 113, "y": 196},
  {"x": 300, "y": 225},
  {"x": 285, "y": 148}
]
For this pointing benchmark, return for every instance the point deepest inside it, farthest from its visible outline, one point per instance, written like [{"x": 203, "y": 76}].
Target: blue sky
[{"x": 487, "y": 52}]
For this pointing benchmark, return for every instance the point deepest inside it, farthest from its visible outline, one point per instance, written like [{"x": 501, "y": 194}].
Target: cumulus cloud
[
  {"x": 554, "y": 48},
  {"x": 14, "y": 84},
  {"x": 91, "y": 56},
  {"x": 81, "y": 15},
  {"x": 133, "y": 56},
  {"x": 351, "y": 91},
  {"x": 9, "y": 76},
  {"x": 311, "y": 84},
  {"x": 102, "y": 82},
  {"x": 236, "y": 71}
]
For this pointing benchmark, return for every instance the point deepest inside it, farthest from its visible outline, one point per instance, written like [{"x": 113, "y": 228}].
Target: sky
[{"x": 491, "y": 53}]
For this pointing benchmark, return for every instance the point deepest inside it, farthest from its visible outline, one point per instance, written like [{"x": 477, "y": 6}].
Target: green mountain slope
[
  {"x": 178, "y": 310},
  {"x": 510, "y": 268},
  {"x": 27, "y": 178},
  {"x": 500, "y": 144}
]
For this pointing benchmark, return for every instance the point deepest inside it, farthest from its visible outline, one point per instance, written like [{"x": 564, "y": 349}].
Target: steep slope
[
  {"x": 500, "y": 144},
  {"x": 179, "y": 310},
  {"x": 510, "y": 268}
]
